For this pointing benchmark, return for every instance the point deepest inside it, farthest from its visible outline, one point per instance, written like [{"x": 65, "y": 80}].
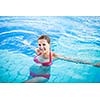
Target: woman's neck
[{"x": 46, "y": 55}]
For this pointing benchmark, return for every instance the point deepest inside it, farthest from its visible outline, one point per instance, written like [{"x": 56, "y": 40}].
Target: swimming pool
[{"x": 72, "y": 36}]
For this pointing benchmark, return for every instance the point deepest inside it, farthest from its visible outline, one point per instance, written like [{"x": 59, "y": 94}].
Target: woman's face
[{"x": 43, "y": 45}]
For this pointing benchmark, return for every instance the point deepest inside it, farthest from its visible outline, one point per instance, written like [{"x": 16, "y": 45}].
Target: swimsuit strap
[{"x": 50, "y": 57}]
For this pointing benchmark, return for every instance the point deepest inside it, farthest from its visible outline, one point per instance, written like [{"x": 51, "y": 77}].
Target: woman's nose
[{"x": 41, "y": 47}]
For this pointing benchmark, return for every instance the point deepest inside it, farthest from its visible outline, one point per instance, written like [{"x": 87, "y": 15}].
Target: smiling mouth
[{"x": 42, "y": 49}]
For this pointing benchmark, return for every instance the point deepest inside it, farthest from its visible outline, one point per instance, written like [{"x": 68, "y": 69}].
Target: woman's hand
[
  {"x": 38, "y": 51},
  {"x": 97, "y": 64}
]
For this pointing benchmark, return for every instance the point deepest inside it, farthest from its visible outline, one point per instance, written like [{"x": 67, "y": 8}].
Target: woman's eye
[
  {"x": 39, "y": 44},
  {"x": 44, "y": 44}
]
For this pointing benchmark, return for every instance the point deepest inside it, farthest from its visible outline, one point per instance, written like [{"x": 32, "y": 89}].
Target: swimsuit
[
  {"x": 44, "y": 64},
  {"x": 40, "y": 75}
]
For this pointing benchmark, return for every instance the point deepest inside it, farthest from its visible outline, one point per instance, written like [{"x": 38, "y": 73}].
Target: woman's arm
[
  {"x": 38, "y": 51},
  {"x": 75, "y": 60}
]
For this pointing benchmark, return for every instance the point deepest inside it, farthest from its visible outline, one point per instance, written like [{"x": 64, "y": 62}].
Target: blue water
[{"x": 73, "y": 36}]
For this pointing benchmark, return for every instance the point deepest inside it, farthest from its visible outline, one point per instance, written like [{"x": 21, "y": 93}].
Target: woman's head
[{"x": 44, "y": 43}]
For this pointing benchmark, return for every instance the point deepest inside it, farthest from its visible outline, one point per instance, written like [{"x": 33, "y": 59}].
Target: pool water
[{"x": 72, "y": 36}]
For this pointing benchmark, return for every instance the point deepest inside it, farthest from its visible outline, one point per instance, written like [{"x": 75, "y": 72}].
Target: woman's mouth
[{"x": 42, "y": 49}]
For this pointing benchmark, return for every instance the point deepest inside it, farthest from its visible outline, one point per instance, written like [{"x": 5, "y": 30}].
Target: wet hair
[{"x": 46, "y": 37}]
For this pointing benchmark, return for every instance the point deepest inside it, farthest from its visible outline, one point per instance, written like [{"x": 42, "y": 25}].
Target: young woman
[{"x": 41, "y": 71}]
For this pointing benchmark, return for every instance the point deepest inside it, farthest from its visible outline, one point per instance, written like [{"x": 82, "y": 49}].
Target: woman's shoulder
[{"x": 53, "y": 54}]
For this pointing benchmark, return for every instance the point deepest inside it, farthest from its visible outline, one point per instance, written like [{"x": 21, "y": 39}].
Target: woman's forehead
[{"x": 42, "y": 41}]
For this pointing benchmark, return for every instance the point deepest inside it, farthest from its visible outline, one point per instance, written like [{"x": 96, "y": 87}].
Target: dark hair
[{"x": 46, "y": 37}]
